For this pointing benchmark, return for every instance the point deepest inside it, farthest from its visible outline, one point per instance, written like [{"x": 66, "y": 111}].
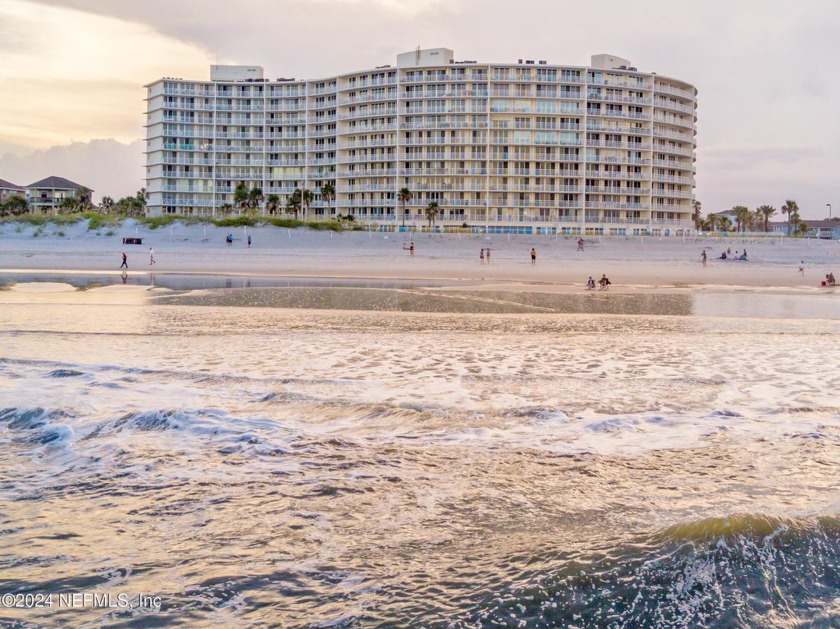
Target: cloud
[
  {"x": 764, "y": 68},
  {"x": 108, "y": 167},
  {"x": 80, "y": 76}
]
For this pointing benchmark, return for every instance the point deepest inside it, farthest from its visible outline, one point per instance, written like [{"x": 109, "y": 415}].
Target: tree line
[
  {"x": 80, "y": 202},
  {"x": 750, "y": 220}
]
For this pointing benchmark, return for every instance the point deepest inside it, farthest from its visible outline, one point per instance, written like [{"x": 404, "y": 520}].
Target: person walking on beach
[
  {"x": 249, "y": 241},
  {"x": 411, "y": 249},
  {"x": 481, "y": 256},
  {"x": 802, "y": 267},
  {"x": 151, "y": 256},
  {"x": 580, "y": 244},
  {"x": 124, "y": 264},
  {"x": 487, "y": 254},
  {"x": 703, "y": 257},
  {"x": 533, "y": 256}
]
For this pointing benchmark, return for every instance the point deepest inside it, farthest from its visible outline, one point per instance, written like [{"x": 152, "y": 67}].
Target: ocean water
[{"x": 380, "y": 456}]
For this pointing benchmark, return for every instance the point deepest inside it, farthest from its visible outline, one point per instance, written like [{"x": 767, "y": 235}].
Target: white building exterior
[{"x": 524, "y": 146}]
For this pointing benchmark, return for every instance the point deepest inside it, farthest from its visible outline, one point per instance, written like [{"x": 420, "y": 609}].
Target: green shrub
[
  {"x": 288, "y": 223},
  {"x": 98, "y": 221},
  {"x": 235, "y": 221},
  {"x": 60, "y": 233},
  {"x": 110, "y": 232},
  {"x": 326, "y": 226},
  {"x": 66, "y": 219},
  {"x": 153, "y": 222},
  {"x": 32, "y": 218}
]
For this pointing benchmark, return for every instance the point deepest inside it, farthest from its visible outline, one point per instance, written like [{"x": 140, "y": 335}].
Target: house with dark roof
[
  {"x": 47, "y": 194},
  {"x": 9, "y": 190}
]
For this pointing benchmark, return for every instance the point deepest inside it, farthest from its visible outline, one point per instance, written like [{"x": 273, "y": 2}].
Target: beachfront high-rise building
[{"x": 528, "y": 145}]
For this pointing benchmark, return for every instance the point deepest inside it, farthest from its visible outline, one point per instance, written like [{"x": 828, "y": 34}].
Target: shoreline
[{"x": 632, "y": 264}]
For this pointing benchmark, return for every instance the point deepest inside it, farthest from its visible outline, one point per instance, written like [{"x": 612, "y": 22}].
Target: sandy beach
[{"x": 632, "y": 264}]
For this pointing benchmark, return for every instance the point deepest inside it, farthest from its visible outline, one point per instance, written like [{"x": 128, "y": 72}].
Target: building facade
[
  {"x": 48, "y": 194},
  {"x": 9, "y": 190},
  {"x": 525, "y": 146}
]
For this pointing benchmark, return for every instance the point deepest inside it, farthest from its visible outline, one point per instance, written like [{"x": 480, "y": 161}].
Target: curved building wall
[{"x": 574, "y": 149}]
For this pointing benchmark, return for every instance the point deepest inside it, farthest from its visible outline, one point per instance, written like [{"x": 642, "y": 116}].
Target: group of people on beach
[
  {"x": 725, "y": 255},
  {"x": 484, "y": 255},
  {"x": 603, "y": 283}
]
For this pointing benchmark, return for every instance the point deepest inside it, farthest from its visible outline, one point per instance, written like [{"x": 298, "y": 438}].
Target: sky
[{"x": 72, "y": 73}]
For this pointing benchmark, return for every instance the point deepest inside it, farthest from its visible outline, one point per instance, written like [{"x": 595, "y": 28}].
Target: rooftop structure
[{"x": 524, "y": 146}]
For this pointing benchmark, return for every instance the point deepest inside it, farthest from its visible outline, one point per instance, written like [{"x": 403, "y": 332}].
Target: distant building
[
  {"x": 526, "y": 146},
  {"x": 826, "y": 230},
  {"x": 9, "y": 190},
  {"x": 46, "y": 195}
]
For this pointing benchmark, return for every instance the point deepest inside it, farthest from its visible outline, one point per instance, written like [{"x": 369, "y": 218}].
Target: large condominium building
[{"x": 524, "y": 146}]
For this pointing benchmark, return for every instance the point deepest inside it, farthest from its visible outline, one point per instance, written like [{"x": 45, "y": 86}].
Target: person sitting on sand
[
  {"x": 604, "y": 282},
  {"x": 722, "y": 256},
  {"x": 590, "y": 284},
  {"x": 830, "y": 279},
  {"x": 743, "y": 257}
]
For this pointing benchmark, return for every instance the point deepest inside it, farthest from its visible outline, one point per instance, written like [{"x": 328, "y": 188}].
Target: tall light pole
[{"x": 829, "y": 210}]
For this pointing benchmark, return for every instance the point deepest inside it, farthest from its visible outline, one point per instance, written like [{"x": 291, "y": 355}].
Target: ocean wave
[
  {"x": 38, "y": 426},
  {"x": 744, "y": 570}
]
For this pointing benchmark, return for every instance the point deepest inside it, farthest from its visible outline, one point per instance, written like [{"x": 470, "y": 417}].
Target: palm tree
[
  {"x": 255, "y": 197},
  {"x": 66, "y": 206},
  {"x": 742, "y": 216},
  {"x": 306, "y": 198},
  {"x": 293, "y": 202},
  {"x": 225, "y": 209},
  {"x": 328, "y": 195},
  {"x": 711, "y": 222},
  {"x": 766, "y": 211},
  {"x": 790, "y": 207},
  {"x": 404, "y": 196},
  {"x": 696, "y": 215},
  {"x": 82, "y": 199},
  {"x": 272, "y": 202},
  {"x": 106, "y": 205},
  {"x": 432, "y": 211},
  {"x": 724, "y": 223},
  {"x": 240, "y": 196},
  {"x": 797, "y": 225}
]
